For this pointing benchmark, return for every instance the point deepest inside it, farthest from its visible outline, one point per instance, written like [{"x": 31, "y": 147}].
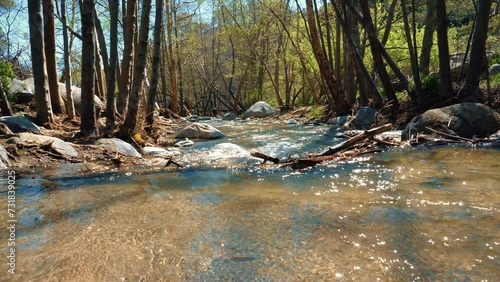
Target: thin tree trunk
[
  {"x": 88, "y": 117},
  {"x": 128, "y": 54},
  {"x": 70, "y": 106},
  {"x": 43, "y": 105},
  {"x": 4, "y": 102},
  {"x": 50, "y": 56},
  {"x": 103, "y": 52},
  {"x": 377, "y": 55},
  {"x": 130, "y": 122},
  {"x": 477, "y": 61},
  {"x": 174, "y": 102},
  {"x": 427, "y": 41},
  {"x": 413, "y": 55},
  {"x": 153, "y": 88},
  {"x": 113, "y": 60},
  {"x": 388, "y": 22},
  {"x": 340, "y": 104},
  {"x": 182, "y": 101},
  {"x": 443, "y": 47}
]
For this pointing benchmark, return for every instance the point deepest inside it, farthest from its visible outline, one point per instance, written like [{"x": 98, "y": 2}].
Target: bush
[{"x": 6, "y": 75}]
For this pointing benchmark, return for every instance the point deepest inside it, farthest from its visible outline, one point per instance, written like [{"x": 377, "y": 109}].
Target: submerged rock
[
  {"x": 115, "y": 144},
  {"x": 19, "y": 124},
  {"x": 159, "y": 152},
  {"x": 338, "y": 121},
  {"x": 229, "y": 116},
  {"x": 61, "y": 147},
  {"x": 258, "y": 110},
  {"x": 200, "y": 131},
  {"x": 184, "y": 143},
  {"x": 465, "y": 119},
  {"x": 4, "y": 159},
  {"x": 291, "y": 121},
  {"x": 364, "y": 118}
]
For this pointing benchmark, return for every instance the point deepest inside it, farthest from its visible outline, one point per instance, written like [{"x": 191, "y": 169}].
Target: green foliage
[
  {"x": 430, "y": 85},
  {"x": 6, "y": 75},
  {"x": 494, "y": 60},
  {"x": 316, "y": 112}
]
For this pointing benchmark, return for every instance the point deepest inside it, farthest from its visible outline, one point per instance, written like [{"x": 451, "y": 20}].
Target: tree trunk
[
  {"x": 103, "y": 52},
  {"x": 4, "y": 102},
  {"x": 50, "y": 56},
  {"x": 113, "y": 59},
  {"x": 427, "y": 41},
  {"x": 130, "y": 122},
  {"x": 182, "y": 101},
  {"x": 174, "y": 101},
  {"x": 128, "y": 54},
  {"x": 377, "y": 54},
  {"x": 477, "y": 61},
  {"x": 43, "y": 105},
  {"x": 443, "y": 47},
  {"x": 88, "y": 118},
  {"x": 153, "y": 88},
  {"x": 388, "y": 22},
  {"x": 340, "y": 104},
  {"x": 70, "y": 106},
  {"x": 411, "y": 50}
]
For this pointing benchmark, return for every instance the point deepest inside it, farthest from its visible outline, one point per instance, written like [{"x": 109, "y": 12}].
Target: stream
[{"x": 407, "y": 214}]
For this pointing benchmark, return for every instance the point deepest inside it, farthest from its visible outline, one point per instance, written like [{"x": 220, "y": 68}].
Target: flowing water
[{"x": 428, "y": 214}]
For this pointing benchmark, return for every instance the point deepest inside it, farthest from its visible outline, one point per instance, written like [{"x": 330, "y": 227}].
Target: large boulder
[
  {"x": 258, "y": 110},
  {"x": 19, "y": 124},
  {"x": 364, "y": 118},
  {"x": 494, "y": 69},
  {"x": 118, "y": 145},
  {"x": 465, "y": 119},
  {"x": 200, "y": 131},
  {"x": 23, "y": 91},
  {"x": 4, "y": 159},
  {"x": 77, "y": 98},
  {"x": 61, "y": 147}
]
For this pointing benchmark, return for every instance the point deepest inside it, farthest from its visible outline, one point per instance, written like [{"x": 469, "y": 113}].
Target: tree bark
[
  {"x": 174, "y": 101},
  {"x": 113, "y": 59},
  {"x": 153, "y": 88},
  {"x": 130, "y": 122},
  {"x": 70, "y": 106},
  {"x": 477, "y": 61},
  {"x": 411, "y": 50},
  {"x": 88, "y": 118},
  {"x": 50, "y": 56},
  {"x": 443, "y": 47},
  {"x": 43, "y": 105},
  {"x": 340, "y": 104},
  {"x": 128, "y": 54},
  {"x": 4, "y": 102},
  {"x": 427, "y": 41},
  {"x": 377, "y": 54}
]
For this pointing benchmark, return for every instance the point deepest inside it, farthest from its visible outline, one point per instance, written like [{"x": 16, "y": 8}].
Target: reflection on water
[{"x": 404, "y": 215}]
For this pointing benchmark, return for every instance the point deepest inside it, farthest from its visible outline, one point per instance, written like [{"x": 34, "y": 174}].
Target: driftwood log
[{"x": 332, "y": 153}]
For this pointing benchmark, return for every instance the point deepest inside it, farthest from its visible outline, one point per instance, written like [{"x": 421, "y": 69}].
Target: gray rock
[
  {"x": 364, "y": 118},
  {"x": 200, "y": 131},
  {"x": 258, "y": 110},
  {"x": 23, "y": 91},
  {"x": 205, "y": 118},
  {"x": 229, "y": 116},
  {"x": 338, "y": 121},
  {"x": 496, "y": 135},
  {"x": 4, "y": 129},
  {"x": 465, "y": 119},
  {"x": 291, "y": 121},
  {"x": 4, "y": 159},
  {"x": 77, "y": 98},
  {"x": 19, "y": 124},
  {"x": 118, "y": 145},
  {"x": 159, "y": 152},
  {"x": 58, "y": 145},
  {"x": 494, "y": 69},
  {"x": 184, "y": 143}
]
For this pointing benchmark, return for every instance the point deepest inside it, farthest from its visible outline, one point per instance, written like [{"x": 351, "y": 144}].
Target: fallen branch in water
[{"x": 333, "y": 152}]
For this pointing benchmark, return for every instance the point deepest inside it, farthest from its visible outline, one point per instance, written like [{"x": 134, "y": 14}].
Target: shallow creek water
[{"x": 407, "y": 214}]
